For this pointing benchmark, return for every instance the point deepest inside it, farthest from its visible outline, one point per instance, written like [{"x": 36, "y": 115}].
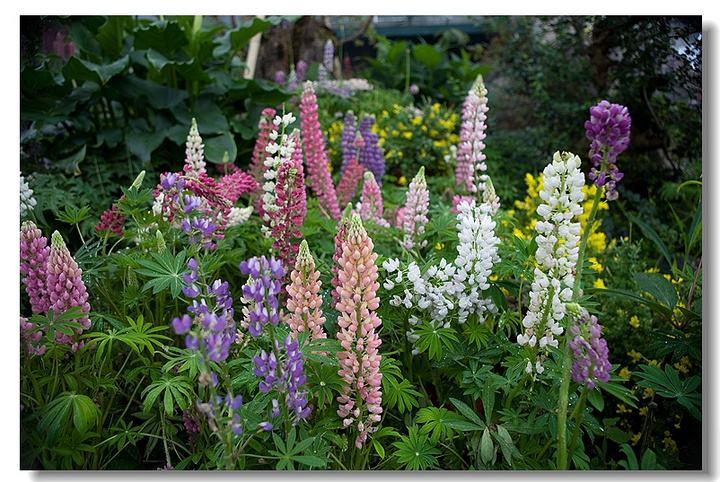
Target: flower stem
[{"x": 562, "y": 452}]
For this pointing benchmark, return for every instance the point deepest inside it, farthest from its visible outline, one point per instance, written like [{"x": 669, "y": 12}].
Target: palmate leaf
[
  {"x": 175, "y": 391},
  {"x": 415, "y": 451},
  {"x": 668, "y": 384},
  {"x": 438, "y": 422},
  {"x": 434, "y": 340},
  {"x": 165, "y": 271},
  {"x": 55, "y": 415}
]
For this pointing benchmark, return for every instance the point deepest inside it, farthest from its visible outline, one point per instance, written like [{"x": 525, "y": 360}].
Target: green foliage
[{"x": 415, "y": 451}]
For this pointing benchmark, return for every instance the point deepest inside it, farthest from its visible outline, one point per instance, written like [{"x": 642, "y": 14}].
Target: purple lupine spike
[
  {"x": 609, "y": 133},
  {"x": 371, "y": 155},
  {"x": 260, "y": 293},
  {"x": 590, "y": 351},
  {"x": 348, "y": 140}
]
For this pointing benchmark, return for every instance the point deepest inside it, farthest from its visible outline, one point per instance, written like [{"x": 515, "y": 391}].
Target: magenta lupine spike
[
  {"x": 371, "y": 202},
  {"x": 65, "y": 286},
  {"x": 111, "y": 220},
  {"x": 304, "y": 302},
  {"x": 265, "y": 126},
  {"x": 194, "y": 152},
  {"x": 317, "y": 161},
  {"x": 416, "y": 210},
  {"x": 347, "y": 187},
  {"x": 290, "y": 199},
  {"x": 470, "y": 158},
  {"x": 341, "y": 233},
  {"x": 232, "y": 186},
  {"x": 360, "y": 402},
  {"x": 34, "y": 253}
]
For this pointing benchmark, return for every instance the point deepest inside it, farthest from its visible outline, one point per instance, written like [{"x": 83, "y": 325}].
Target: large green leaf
[
  {"x": 164, "y": 36},
  {"x": 221, "y": 149},
  {"x": 111, "y": 34},
  {"x": 659, "y": 287},
  {"x": 158, "y": 96},
  {"x": 81, "y": 70},
  {"x": 142, "y": 144},
  {"x": 238, "y": 38},
  {"x": 427, "y": 55}
]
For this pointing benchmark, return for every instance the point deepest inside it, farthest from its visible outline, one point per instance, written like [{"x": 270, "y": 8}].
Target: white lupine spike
[
  {"x": 27, "y": 200},
  {"x": 194, "y": 150},
  {"x": 558, "y": 238}
]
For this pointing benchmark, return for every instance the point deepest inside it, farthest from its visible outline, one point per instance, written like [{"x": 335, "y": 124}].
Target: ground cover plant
[{"x": 363, "y": 287}]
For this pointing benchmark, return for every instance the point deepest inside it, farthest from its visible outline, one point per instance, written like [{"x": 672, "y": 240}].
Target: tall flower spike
[
  {"x": 558, "y": 239},
  {"x": 304, "y": 302},
  {"x": 371, "y": 202},
  {"x": 232, "y": 186},
  {"x": 414, "y": 216},
  {"x": 34, "y": 253},
  {"x": 590, "y": 351},
  {"x": 261, "y": 292},
  {"x": 371, "y": 155},
  {"x": 291, "y": 204},
  {"x": 340, "y": 235},
  {"x": 317, "y": 161},
  {"x": 65, "y": 286},
  {"x": 360, "y": 401},
  {"x": 27, "y": 201},
  {"x": 609, "y": 132},
  {"x": 265, "y": 126},
  {"x": 194, "y": 149},
  {"x": 470, "y": 158},
  {"x": 349, "y": 132}
]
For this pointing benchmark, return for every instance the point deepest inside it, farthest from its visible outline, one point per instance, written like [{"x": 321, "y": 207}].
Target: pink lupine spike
[
  {"x": 265, "y": 126},
  {"x": 371, "y": 202},
  {"x": 232, "y": 186},
  {"x": 65, "y": 286},
  {"x": 304, "y": 302},
  {"x": 34, "y": 252},
  {"x": 470, "y": 158},
  {"x": 415, "y": 217},
  {"x": 341, "y": 232},
  {"x": 349, "y": 182},
  {"x": 290, "y": 198},
  {"x": 317, "y": 161},
  {"x": 361, "y": 398}
]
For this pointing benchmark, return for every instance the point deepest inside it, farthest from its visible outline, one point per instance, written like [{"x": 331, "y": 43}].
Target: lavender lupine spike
[
  {"x": 194, "y": 149},
  {"x": 66, "y": 288},
  {"x": 590, "y": 351},
  {"x": 34, "y": 253},
  {"x": 371, "y": 155},
  {"x": 414, "y": 217},
  {"x": 609, "y": 132},
  {"x": 261, "y": 292},
  {"x": 348, "y": 139},
  {"x": 470, "y": 158}
]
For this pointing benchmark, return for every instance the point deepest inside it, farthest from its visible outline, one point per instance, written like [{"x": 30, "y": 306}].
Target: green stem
[
  {"x": 577, "y": 416},
  {"x": 567, "y": 356},
  {"x": 407, "y": 71}
]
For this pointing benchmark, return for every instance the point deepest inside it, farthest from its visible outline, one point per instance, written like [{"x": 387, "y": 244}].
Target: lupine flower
[
  {"x": 590, "y": 351},
  {"x": 239, "y": 216},
  {"x": 457, "y": 199},
  {"x": 360, "y": 402},
  {"x": 290, "y": 200},
  {"x": 414, "y": 89},
  {"x": 328, "y": 56},
  {"x": 31, "y": 334},
  {"x": 371, "y": 202},
  {"x": 558, "y": 238},
  {"x": 286, "y": 377},
  {"x": 490, "y": 197},
  {"x": 34, "y": 253},
  {"x": 209, "y": 324},
  {"x": 371, "y": 155},
  {"x": 194, "y": 148},
  {"x": 65, "y": 287},
  {"x": 301, "y": 68},
  {"x": 477, "y": 254},
  {"x": 280, "y": 149},
  {"x": 260, "y": 293},
  {"x": 415, "y": 211},
  {"x": 349, "y": 131},
  {"x": 304, "y": 302},
  {"x": 609, "y": 132},
  {"x": 27, "y": 201},
  {"x": 280, "y": 77},
  {"x": 111, "y": 220},
  {"x": 265, "y": 126},
  {"x": 340, "y": 235},
  {"x": 232, "y": 186},
  {"x": 470, "y": 158},
  {"x": 352, "y": 174},
  {"x": 317, "y": 161}
]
